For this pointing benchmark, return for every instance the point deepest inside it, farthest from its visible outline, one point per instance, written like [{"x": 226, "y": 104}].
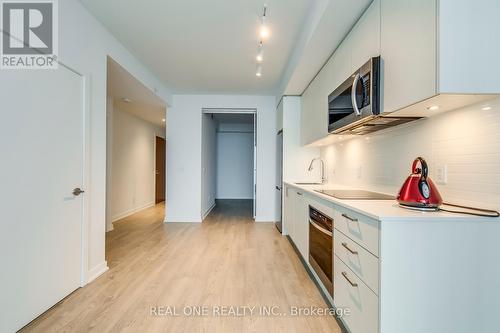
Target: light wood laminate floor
[{"x": 228, "y": 260}]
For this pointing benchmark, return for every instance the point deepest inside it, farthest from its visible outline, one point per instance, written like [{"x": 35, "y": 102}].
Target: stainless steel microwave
[{"x": 354, "y": 107}]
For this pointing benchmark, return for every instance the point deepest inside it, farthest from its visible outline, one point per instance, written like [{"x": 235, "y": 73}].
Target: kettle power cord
[{"x": 485, "y": 212}]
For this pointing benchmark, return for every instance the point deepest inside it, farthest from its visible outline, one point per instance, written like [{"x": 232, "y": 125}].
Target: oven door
[
  {"x": 320, "y": 253},
  {"x": 355, "y": 99}
]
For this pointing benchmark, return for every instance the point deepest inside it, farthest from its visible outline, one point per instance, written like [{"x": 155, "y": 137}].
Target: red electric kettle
[{"x": 418, "y": 191}]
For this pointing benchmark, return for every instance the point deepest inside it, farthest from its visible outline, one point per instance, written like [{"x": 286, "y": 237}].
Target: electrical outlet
[{"x": 442, "y": 174}]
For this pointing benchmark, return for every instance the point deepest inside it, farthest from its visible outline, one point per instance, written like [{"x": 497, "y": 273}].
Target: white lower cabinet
[
  {"x": 288, "y": 211},
  {"x": 353, "y": 295},
  {"x": 360, "y": 228},
  {"x": 360, "y": 261},
  {"x": 301, "y": 239}
]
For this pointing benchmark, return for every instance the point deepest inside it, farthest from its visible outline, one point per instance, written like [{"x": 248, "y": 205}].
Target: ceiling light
[
  {"x": 264, "y": 30},
  {"x": 259, "y": 70},
  {"x": 433, "y": 107},
  {"x": 486, "y": 108},
  {"x": 163, "y": 120},
  {"x": 260, "y": 53},
  {"x": 126, "y": 100}
]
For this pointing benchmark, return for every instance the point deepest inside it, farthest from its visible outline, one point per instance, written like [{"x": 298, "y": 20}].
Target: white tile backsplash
[{"x": 466, "y": 141}]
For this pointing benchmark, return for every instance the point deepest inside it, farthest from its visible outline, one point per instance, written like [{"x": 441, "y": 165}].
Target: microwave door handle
[{"x": 353, "y": 94}]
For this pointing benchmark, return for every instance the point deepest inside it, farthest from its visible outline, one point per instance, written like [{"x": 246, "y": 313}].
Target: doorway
[
  {"x": 160, "y": 174},
  {"x": 136, "y": 132},
  {"x": 229, "y": 150}
]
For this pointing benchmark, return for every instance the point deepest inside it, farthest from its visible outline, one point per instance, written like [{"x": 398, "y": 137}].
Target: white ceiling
[
  {"x": 199, "y": 46},
  {"x": 143, "y": 102}
]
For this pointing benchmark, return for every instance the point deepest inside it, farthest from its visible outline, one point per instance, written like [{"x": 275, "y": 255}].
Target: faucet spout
[{"x": 323, "y": 179}]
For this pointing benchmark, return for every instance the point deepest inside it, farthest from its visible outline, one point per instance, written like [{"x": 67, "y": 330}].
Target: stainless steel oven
[{"x": 321, "y": 246}]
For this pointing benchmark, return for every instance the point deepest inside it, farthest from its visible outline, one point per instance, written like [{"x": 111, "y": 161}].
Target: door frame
[
  {"x": 252, "y": 111},
  {"x": 86, "y": 180},
  {"x": 155, "y": 135}
]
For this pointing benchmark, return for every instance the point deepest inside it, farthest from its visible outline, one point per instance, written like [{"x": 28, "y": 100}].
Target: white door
[{"x": 42, "y": 157}]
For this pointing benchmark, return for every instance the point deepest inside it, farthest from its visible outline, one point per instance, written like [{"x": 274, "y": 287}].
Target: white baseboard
[
  {"x": 130, "y": 212},
  {"x": 208, "y": 211},
  {"x": 97, "y": 271}
]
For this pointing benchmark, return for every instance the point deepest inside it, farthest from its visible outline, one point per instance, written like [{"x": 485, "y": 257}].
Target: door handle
[
  {"x": 77, "y": 191},
  {"x": 353, "y": 95},
  {"x": 278, "y": 188}
]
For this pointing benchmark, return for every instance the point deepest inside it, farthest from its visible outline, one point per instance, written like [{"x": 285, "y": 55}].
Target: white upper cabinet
[
  {"x": 365, "y": 37},
  {"x": 438, "y": 52},
  {"x": 469, "y": 33},
  {"x": 408, "y": 44},
  {"x": 313, "y": 117}
]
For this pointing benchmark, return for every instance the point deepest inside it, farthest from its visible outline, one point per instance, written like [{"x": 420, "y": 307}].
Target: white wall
[
  {"x": 235, "y": 150},
  {"x": 133, "y": 168},
  {"x": 184, "y": 130},
  {"x": 465, "y": 140},
  {"x": 209, "y": 163},
  {"x": 83, "y": 45}
]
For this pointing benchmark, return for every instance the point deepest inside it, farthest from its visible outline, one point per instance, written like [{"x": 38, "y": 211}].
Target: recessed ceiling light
[
  {"x": 126, "y": 100},
  {"x": 163, "y": 120},
  {"x": 486, "y": 108},
  {"x": 259, "y": 70},
  {"x": 433, "y": 107}
]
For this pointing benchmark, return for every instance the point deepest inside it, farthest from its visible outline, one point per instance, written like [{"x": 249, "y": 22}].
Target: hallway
[{"x": 157, "y": 268}]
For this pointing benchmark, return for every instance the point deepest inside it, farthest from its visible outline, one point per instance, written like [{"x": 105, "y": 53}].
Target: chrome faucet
[{"x": 322, "y": 168}]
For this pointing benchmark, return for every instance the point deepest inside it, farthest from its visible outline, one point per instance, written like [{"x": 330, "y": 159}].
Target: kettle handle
[{"x": 425, "y": 169}]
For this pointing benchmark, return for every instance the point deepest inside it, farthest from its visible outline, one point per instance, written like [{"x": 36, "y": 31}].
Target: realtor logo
[{"x": 29, "y": 34}]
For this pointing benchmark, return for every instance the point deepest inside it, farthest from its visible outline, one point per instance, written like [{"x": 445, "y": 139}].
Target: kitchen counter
[
  {"x": 427, "y": 268},
  {"x": 383, "y": 210}
]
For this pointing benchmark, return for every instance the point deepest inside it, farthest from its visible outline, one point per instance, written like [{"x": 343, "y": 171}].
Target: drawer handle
[
  {"x": 344, "y": 274},
  {"x": 349, "y": 249},
  {"x": 298, "y": 193},
  {"x": 352, "y": 219}
]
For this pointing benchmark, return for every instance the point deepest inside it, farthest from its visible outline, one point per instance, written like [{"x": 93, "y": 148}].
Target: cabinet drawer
[
  {"x": 361, "y": 262},
  {"x": 361, "y": 229},
  {"x": 349, "y": 292}
]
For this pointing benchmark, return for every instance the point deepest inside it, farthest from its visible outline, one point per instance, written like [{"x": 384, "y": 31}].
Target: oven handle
[
  {"x": 321, "y": 229},
  {"x": 353, "y": 94}
]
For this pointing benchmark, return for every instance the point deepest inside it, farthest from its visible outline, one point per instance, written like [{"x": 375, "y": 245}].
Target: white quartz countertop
[{"x": 383, "y": 210}]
